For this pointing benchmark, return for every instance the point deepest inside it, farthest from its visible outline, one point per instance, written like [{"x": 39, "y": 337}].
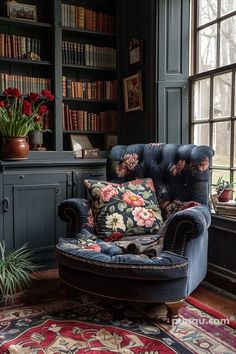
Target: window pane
[
  {"x": 218, "y": 173},
  {"x": 207, "y": 48},
  {"x": 228, "y": 41},
  {"x": 234, "y": 193},
  {"x": 221, "y": 143},
  {"x": 222, "y": 95},
  {"x": 235, "y": 95},
  {"x": 201, "y": 134},
  {"x": 234, "y": 145},
  {"x": 201, "y": 96},
  {"x": 207, "y": 11},
  {"x": 227, "y": 6}
]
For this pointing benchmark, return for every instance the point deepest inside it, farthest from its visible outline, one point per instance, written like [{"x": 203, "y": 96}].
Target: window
[{"x": 213, "y": 85}]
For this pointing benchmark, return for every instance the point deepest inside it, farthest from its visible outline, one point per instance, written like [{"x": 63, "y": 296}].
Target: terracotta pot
[
  {"x": 14, "y": 148},
  {"x": 225, "y": 195}
]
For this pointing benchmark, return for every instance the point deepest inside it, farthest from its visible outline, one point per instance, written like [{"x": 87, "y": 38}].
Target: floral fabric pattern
[
  {"x": 178, "y": 168},
  {"x": 124, "y": 209},
  {"x": 169, "y": 208},
  {"x": 128, "y": 165},
  {"x": 181, "y": 166}
]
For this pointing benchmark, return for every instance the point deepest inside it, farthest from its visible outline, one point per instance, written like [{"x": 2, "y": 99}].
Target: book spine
[
  {"x": 86, "y": 54},
  {"x": 63, "y": 14},
  {"x": 81, "y": 17}
]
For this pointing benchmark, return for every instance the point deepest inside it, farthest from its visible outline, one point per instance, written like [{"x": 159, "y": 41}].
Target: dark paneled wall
[
  {"x": 173, "y": 54},
  {"x": 136, "y": 18},
  {"x": 164, "y": 27}
]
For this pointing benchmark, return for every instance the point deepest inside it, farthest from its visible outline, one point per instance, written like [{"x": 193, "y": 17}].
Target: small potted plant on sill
[
  {"x": 223, "y": 189},
  {"x": 18, "y": 116},
  {"x": 15, "y": 272}
]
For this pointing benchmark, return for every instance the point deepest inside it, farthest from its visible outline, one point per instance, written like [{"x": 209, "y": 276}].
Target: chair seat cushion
[{"x": 107, "y": 259}]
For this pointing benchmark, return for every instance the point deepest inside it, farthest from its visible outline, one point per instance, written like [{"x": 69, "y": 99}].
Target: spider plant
[{"x": 15, "y": 269}]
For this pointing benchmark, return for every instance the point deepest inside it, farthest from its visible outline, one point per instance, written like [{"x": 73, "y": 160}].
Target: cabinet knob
[{"x": 21, "y": 176}]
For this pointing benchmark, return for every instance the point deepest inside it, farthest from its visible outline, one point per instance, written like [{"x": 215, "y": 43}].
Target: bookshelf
[{"x": 74, "y": 40}]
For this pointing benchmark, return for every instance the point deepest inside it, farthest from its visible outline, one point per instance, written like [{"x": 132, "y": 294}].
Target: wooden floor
[
  {"x": 49, "y": 280},
  {"x": 219, "y": 302}
]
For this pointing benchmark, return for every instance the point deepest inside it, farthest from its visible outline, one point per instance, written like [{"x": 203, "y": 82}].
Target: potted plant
[
  {"x": 18, "y": 116},
  {"x": 15, "y": 269},
  {"x": 223, "y": 189}
]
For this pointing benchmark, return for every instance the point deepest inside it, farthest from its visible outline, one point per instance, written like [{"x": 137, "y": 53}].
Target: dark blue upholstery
[
  {"x": 157, "y": 161},
  {"x": 179, "y": 172}
]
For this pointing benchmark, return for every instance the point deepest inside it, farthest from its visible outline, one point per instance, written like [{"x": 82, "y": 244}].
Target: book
[{"x": 226, "y": 208}]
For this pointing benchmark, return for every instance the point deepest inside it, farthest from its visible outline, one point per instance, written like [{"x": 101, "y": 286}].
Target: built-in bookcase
[{"x": 76, "y": 43}]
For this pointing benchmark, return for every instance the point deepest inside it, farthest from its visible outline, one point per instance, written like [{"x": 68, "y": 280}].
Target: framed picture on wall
[
  {"x": 135, "y": 52},
  {"x": 133, "y": 95},
  {"x": 80, "y": 142},
  {"x": 21, "y": 11}
]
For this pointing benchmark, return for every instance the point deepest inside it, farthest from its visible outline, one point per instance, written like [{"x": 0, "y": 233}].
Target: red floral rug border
[{"x": 192, "y": 301}]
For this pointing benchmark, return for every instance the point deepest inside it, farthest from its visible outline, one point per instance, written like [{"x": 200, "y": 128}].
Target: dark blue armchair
[{"x": 181, "y": 178}]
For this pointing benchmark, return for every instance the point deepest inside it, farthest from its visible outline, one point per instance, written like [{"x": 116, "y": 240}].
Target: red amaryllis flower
[
  {"x": 12, "y": 92},
  {"x": 37, "y": 119},
  {"x": 2, "y": 103},
  {"x": 47, "y": 93},
  {"x": 27, "y": 108},
  {"x": 43, "y": 109},
  {"x": 33, "y": 97}
]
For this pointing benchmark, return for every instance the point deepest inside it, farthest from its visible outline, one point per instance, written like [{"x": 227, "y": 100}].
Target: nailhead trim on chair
[
  {"x": 118, "y": 298},
  {"x": 185, "y": 236}
]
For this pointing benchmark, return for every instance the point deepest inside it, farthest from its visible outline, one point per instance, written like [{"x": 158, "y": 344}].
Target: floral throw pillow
[{"x": 130, "y": 208}]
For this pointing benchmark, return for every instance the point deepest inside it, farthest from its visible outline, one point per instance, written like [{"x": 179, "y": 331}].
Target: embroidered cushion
[{"x": 130, "y": 208}]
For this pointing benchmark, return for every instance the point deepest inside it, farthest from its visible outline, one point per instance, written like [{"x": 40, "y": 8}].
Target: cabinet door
[
  {"x": 30, "y": 213},
  {"x": 98, "y": 173}
]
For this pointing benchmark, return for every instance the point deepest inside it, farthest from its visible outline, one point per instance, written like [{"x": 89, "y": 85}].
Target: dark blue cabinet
[
  {"x": 30, "y": 213},
  {"x": 30, "y": 194}
]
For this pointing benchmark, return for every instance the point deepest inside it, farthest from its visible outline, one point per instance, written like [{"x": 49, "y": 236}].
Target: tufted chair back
[{"x": 179, "y": 172}]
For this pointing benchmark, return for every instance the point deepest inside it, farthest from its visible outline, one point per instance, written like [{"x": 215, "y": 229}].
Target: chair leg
[{"x": 173, "y": 310}]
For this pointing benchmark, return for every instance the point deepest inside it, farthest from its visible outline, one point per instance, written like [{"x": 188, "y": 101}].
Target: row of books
[
  {"x": 25, "y": 84},
  {"x": 105, "y": 121},
  {"x": 226, "y": 208},
  {"x": 88, "y": 54},
  {"x": 97, "y": 90},
  {"x": 80, "y": 17},
  {"x": 12, "y": 46}
]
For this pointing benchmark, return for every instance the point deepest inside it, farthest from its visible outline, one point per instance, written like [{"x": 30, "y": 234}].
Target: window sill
[{"x": 222, "y": 222}]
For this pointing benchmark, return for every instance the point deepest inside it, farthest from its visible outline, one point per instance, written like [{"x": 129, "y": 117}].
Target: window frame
[
  {"x": 196, "y": 29},
  {"x": 211, "y": 74}
]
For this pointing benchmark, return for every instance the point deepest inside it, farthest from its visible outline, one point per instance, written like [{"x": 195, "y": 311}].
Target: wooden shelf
[
  {"x": 84, "y": 67},
  {"x": 87, "y": 132},
  {"x": 70, "y": 99},
  {"x": 25, "y": 61},
  {"x": 88, "y": 32},
  {"x": 22, "y": 23},
  {"x": 51, "y": 34}
]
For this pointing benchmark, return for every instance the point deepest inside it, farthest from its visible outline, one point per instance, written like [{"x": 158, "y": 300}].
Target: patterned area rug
[{"x": 88, "y": 325}]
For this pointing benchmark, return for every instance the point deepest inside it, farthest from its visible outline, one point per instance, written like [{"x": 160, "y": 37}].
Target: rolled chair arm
[
  {"x": 76, "y": 212},
  {"x": 185, "y": 225}
]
